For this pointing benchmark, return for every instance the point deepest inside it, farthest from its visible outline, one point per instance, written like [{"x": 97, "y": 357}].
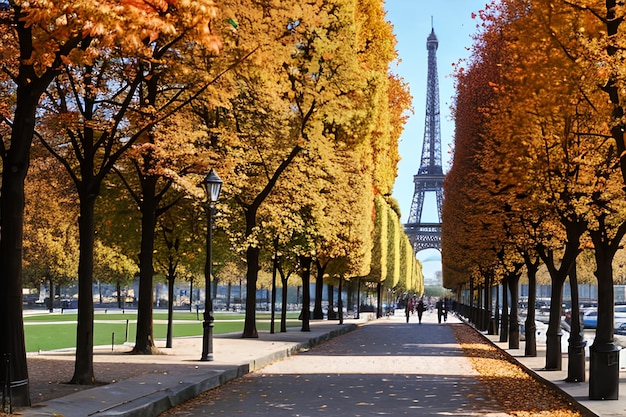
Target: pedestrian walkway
[
  {"x": 186, "y": 376},
  {"x": 387, "y": 367},
  {"x": 577, "y": 390}
]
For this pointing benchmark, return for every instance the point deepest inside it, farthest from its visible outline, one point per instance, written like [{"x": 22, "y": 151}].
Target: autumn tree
[
  {"x": 597, "y": 50},
  {"x": 600, "y": 33},
  {"x": 373, "y": 161},
  {"x": 37, "y": 38},
  {"x": 537, "y": 123},
  {"x": 180, "y": 250},
  {"x": 304, "y": 72},
  {"x": 99, "y": 105},
  {"x": 565, "y": 160},
  {"x": 50, "y": 233},
  {"x": 461, "y": 211},
  {"x": 111, "y": 265}
]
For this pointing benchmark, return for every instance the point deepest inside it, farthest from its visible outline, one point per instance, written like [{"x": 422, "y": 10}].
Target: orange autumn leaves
[
  {"x": 531, "y": 144},
  {"x": 508, "y": 383}
]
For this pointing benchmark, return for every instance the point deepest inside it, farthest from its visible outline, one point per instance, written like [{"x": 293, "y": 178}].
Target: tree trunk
[
  {"x": 120, "y": 301},
  {"x": 252, "y": 257},
  {"x": 480, "y": 324},
  {"x": 51, "y": 295},
  {"x": 497, "y": 312},
  {"x": 12, "y": 346},
  {"x": 504, "y": 320},
  {"x": 191, "y": 294},
  {"x": 318, "y": 313},
  {"x": 14, "y": 170},
  {"x": 574, "y": 228},
  {"x": 332, "y": 314},
  {"x": 15, "y": 164},
  {"x": 340, "y": 300},
  {"x": 379, "y": 300},
  {"x": 472, "y": 316},
  {"x": 513, "y": 281},
  {"x": 144, "y": 337},
  {"x": 604, "y": 358},
  {"x": 283, "y": 316},
  {"x": 604, "y": 329},
  {"x": 83, "y": 366},
  {"x": 530, "y": 348},
  {"x": 229, "y": 295},
  {"x": 305, "y": 264},
  {"x": 350, "y": 295},
  {"x": 100, "y": 300},
  {"x": 554, "y": 360},
  {"x": 576, "y": 347},
  {"x": 357, "y": 312},
  {"x": 252, "y": 254},
  {"x": 491, "y": 329}
]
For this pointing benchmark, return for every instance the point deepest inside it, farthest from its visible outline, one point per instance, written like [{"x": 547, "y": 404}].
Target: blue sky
[{"x": 453, "y": 26}]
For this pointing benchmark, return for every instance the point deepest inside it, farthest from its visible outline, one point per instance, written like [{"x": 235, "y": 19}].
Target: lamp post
[{"x": 212, "y": 186}]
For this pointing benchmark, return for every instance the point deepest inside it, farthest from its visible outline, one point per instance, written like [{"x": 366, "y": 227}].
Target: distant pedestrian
[
  {"x": 420, "y": 310},
  {"x": 440, "y": 310},
  {"x": 408, "y": 308}
]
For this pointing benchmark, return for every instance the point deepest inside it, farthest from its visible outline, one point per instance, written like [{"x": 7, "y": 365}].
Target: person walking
[
  {"x": 420, "y": 310},
  {"x": 408, "y": 309},
  {"x": 440, "y": 310}
]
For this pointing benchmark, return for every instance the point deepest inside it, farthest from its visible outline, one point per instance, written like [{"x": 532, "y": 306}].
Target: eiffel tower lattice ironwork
[{"x": 430, "y": 176}]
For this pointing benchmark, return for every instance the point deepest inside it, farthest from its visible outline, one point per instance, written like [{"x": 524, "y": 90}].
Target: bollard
[
  {"x": 604, "y": 371},
  {"x": 125, "y": 341},
  {"x": 576, "y": 360},
  {"x": 112, "y": 341}
]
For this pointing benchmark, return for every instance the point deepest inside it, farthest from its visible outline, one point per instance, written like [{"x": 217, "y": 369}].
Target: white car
[{"x": 620, "y": 316}]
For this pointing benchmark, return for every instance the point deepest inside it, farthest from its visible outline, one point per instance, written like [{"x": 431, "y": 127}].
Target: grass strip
[{"x": 58, "y": 331}]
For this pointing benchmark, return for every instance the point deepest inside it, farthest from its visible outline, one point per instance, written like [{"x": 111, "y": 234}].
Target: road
[{"x": 388, "y": 367}]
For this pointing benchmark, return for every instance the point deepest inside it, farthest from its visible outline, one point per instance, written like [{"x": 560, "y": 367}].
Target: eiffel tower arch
[{"x": 429, "y": 177}]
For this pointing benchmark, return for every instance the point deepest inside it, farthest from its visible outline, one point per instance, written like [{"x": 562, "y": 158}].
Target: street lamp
[{"x": 212, "y": 185}]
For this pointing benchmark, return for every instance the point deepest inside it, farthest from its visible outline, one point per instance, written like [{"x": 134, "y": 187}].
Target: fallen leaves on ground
[{"x": 520, "y": 394}]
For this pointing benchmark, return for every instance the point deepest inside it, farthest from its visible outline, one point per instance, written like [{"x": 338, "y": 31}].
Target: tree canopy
[{"x": 293, "y": 104}]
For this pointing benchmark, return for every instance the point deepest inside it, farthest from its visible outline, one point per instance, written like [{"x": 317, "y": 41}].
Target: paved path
[{"x": 385, "y": 368}]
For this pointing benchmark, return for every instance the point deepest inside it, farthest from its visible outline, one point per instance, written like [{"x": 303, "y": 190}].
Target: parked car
[
  {"x": 621, "y": 329},
  {"x": 590, "y": 319},
  {"x": 620, "y": 315}
]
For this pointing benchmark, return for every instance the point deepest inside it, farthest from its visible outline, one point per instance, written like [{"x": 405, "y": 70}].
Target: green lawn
[{"x": 56, "y": 331}]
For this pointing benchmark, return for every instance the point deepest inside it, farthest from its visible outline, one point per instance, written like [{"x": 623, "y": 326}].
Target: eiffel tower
[{"x": 430, "y": 176}]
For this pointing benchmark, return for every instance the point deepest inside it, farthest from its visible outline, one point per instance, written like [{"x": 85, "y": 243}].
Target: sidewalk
[
  {"x": 579, "y": 391},
  {"x": 182, "y": 376},
  {"x": 185, "y": 376}
]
